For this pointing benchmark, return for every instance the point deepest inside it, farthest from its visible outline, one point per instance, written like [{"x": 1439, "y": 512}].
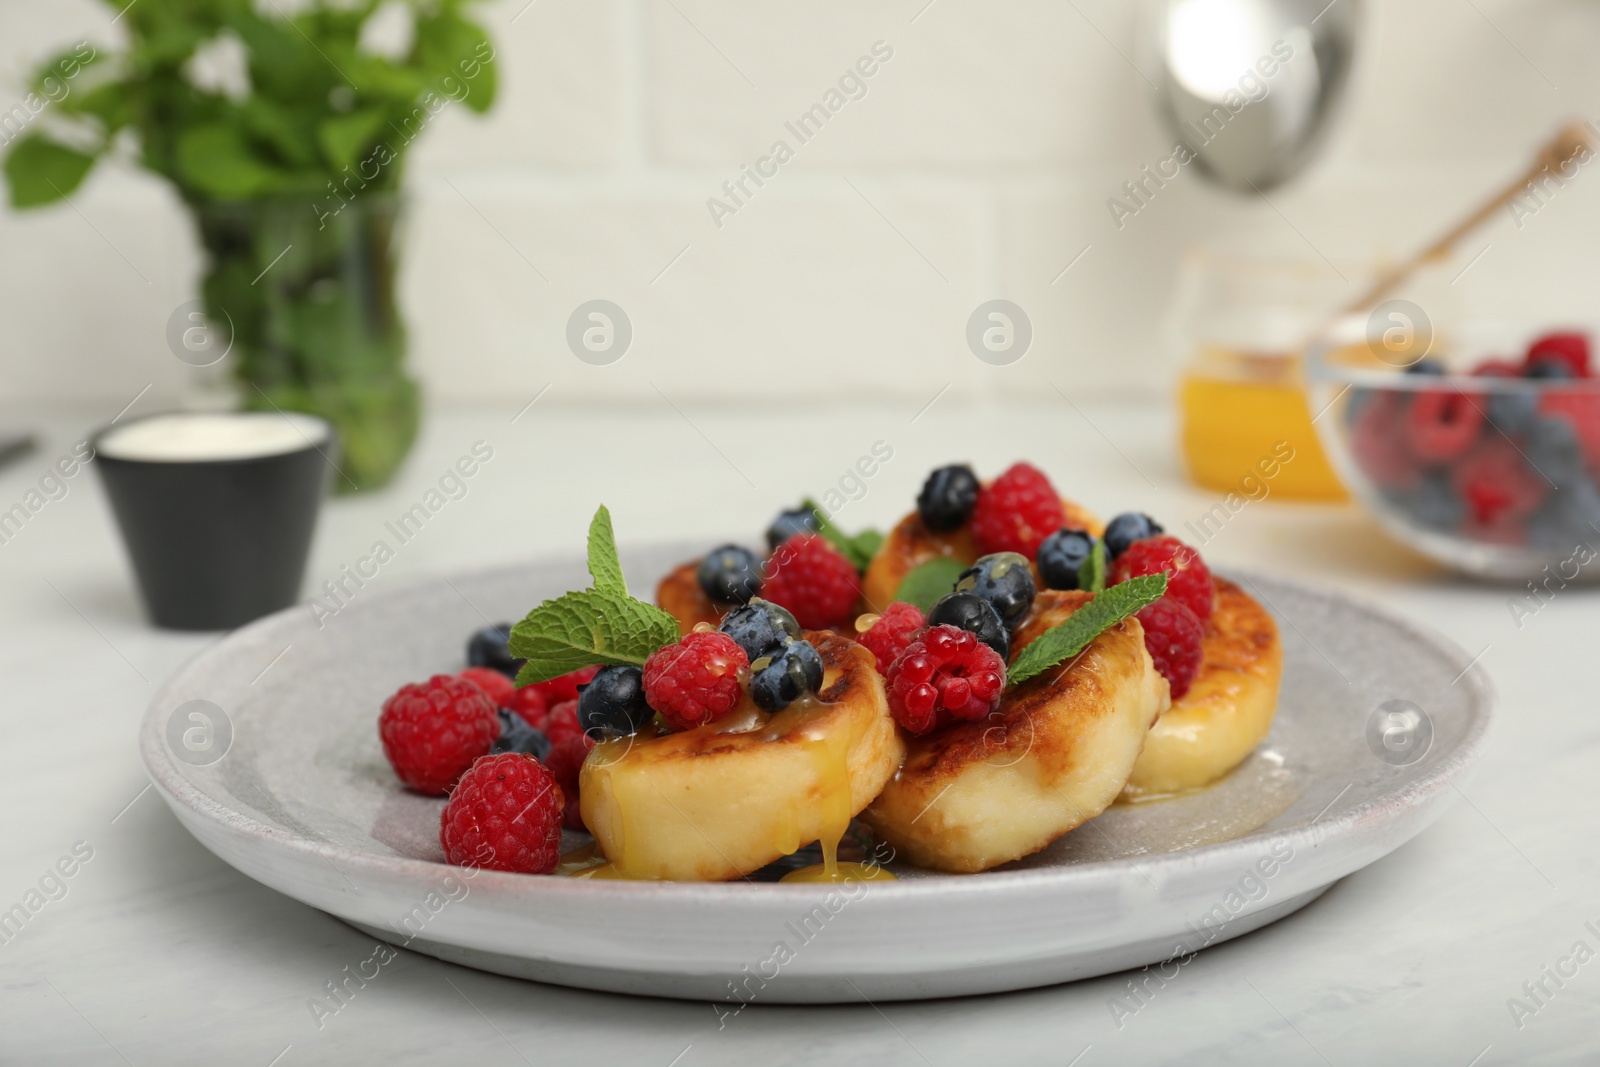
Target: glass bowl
[{"x": 1482, "y": 468}]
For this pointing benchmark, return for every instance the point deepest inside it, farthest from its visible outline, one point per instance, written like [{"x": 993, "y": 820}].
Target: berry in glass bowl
[{"x": 1486, "y": 460}]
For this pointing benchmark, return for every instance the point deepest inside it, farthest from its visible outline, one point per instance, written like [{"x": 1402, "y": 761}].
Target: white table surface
[{"x": 161, "y": 954}]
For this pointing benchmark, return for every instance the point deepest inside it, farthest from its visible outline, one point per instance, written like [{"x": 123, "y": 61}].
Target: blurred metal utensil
[
  {"x": 1250, "y": 86},
  {"x": 13, "y": 446}
]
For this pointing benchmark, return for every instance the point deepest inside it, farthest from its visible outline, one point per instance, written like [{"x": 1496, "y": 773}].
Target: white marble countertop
[{"x": 154, "y": 951}]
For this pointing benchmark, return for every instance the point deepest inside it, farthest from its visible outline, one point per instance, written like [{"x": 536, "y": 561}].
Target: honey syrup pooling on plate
[{"x": 830, "y": 761}]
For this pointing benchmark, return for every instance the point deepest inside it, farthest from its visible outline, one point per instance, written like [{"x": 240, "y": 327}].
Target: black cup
[{"x": 216, "y": 543}]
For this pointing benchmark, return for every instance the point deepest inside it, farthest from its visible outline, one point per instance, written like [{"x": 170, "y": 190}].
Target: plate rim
[{"x": 1459, "y": 765}]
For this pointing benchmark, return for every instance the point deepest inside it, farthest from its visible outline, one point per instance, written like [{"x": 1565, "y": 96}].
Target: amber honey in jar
[
  {"x": 1246, "y": 415},
  {"x": 1245, "y": 422}
]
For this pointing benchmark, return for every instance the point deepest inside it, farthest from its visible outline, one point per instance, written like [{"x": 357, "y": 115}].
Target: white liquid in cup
[{"x": 202, "y": 437}]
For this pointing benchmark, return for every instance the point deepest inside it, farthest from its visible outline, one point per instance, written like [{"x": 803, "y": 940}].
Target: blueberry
[
  {"x": 1127, "y": 528},
  {"x": 966, "y": 611},
  {"x": 517, "y": 736},
  {"x": 782, "y": 675},
  {"x": 1551, "y": 526},
  {"x": 1060, "y": 556},
  {"x": 1429, "y": 368},
  {"x": 730, "y": 574},
  {"x": 487, "y": 648},
  {"x": 790, "y": 523},
  {"x": 1359, "y": 398},
  {"x": 1571, "y": 516},
  {"x": 1511, "y": 410},
  {"x": 613, "y": 703},
  {"x": 1547, "y": 369},
  {"x": 1005, "y": 580},
  {"x": 1434, "y": 503},
  {"x": 759, "y": 626},
  {"x": 1583, "y": 507},
  {"x": 1547, "y": 527},
  {"x": 947, "y": 498},
  {"x": 1553, "y": 449}
]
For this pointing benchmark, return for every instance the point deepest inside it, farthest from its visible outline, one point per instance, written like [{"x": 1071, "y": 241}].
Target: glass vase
[{"x": 309, "y": 297}]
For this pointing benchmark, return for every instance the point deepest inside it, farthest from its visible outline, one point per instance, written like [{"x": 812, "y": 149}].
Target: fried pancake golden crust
[
  {"x": 1226, "y": 712},
  {"x": 680, "y": 596},
  {"x": 972, "y": 796},
  {"x": 717, "y": 802},
  {"x": 911, "y": 543}
]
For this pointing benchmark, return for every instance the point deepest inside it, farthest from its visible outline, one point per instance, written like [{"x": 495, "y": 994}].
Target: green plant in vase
[{"x": 284, "y": 127}]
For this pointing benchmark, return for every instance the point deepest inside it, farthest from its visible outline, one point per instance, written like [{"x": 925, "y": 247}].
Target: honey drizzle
[
  {"x": 830, "y": 766},
  {"x": 844, "y": 872},
  {"x": 579, "y": 861},
  {"x": 830, "y": 761},
  {"x": 589, "y": 861}
]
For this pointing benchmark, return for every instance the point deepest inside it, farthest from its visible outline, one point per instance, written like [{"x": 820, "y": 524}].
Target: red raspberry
[
  {"x": 1497, "y": 368},
  {"x": 504, "y": 815},
  {"x": 1571, "y": 349},
  {"x": 565, "y": 687},
  {"x": 501, "y": 690},
  {"x": 565, "y": 760},
  {"x": 1378, "y": 442},
  {"x": 1173, "y": 637},
  {"x": 1497, "y": 484},
  {"x": 1017, "y": 511},
  {"x": 695, "y": 681},
  {"x": 896, "y": 628},
  {"x": 1188, "y": 578},
  {"x": 813, "y": 580},
  {"x": 1441, "y": 425},
  {"x": 531, "y": 703},
  {"x": 432, "y": 731},
  {"x": 562, "y": 722},
  {"x": 945, "y": 670}
]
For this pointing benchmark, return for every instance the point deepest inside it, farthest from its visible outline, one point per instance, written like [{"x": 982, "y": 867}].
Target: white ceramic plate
[{"x": 265, "y": 747}]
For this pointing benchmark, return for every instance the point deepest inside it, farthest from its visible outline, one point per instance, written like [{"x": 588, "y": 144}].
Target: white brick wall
[{"x": 977, "y": 165}]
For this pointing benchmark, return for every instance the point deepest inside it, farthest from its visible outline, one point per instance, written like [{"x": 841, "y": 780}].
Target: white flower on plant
[
  {"x": 389, "y": 32},
  {"x": 221, "y": 65},
  {"x": 284, "y": 8}
]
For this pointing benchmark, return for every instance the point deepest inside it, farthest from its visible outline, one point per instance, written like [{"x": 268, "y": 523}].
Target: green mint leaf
[
  {"x": 866, "y": 543},
  {"x": 859, "y": 549},
  {"x": 42, "y": 171},
  {"x": 825, "y": 525},
  {"x": 1092, "y": 571},
  {"x": 220, "y": 161},
  {"x": 1108, "y": 608},
  {"x": 927, "y": 582},
  {"x": 453, "y": 51},
  {"x": 604, "y": 565},
  {"x": 344, "y": 139},
  {"x": 602, "y": 625},
  {"x": 581, "y": 629}
]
